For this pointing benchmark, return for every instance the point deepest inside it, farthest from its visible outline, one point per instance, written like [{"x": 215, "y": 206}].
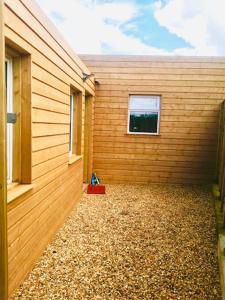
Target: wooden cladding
[
  {"x": 191, "y": 91},
  {"x": 3, "y": 172},
  {"x": 46, "y": 70}
]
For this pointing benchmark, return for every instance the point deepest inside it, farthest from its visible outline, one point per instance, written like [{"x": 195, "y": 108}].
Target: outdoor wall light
[{"x": 87, "y": 76}]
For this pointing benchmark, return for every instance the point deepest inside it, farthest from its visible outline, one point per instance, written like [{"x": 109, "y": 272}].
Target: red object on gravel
[{"x": 96, "y": 189}]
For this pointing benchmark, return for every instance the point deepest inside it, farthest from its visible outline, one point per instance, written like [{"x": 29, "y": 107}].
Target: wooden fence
[{"x": 220, "y": 163}]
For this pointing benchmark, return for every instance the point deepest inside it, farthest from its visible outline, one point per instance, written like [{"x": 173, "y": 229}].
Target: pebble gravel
[{"x": 136, "y": 242}]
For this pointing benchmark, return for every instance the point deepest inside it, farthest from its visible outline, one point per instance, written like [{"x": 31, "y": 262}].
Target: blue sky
[
  {"x": 155, "y": 27},
  {"x": 150, "y": 32}
]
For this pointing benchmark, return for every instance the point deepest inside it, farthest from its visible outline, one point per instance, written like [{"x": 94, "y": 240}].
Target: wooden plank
[
  {"x": 151, "y": 58},
  {"x": 26, "y": 98},
  {"x": 154, "y": 140},
  {"x": 49, "y": 153},
  {"x": 159, "y": 90},
  {"x": 43, "y": 116},
  {"x": 17, "y": 127},
  {"x": 48, "y": 104},
  {"x": 3, "y": 176},
  {"x": 44, "y": 142},
  {"x": 157, "y": 167},
  {"x": 44, "y": 129},
  {"x": 142, "y": 180},
  {"x": 162, "y": 79},
  {"x": 105, "y": 70},
  {"x": 45, "y": 167},
  {"x": 42, "y": 75},
  {"x": 88, "y": 147},
  {"x": 151, "y": 162},
  {"x": 120, "y": 150},
  {"x": 47, "y": 91},
  {"x": 167, "y": 99},
  {"x": 154, "y": 146},
  {"x": 166, "y": 93}
]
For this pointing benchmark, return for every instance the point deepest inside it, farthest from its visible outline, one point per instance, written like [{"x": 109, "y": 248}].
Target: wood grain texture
[
  {"x": 48, "y": 70},
  {"x": 191, "y": 91},
  {"x": 3, "y": 176}
]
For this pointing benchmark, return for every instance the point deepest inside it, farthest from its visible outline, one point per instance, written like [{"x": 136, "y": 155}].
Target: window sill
[
  {"x": 74, "y": 158},
  {"x": 16, "y": 190},
  {"x": 142, "y": 134}
]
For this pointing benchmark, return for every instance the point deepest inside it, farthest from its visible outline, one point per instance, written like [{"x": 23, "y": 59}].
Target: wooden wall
[
  {"x": 3, "y": 175},
  {"x": 35, "y": 216},
  {"x": 191, "y": 90}
]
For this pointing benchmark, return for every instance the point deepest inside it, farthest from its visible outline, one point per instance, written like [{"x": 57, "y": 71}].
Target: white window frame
[
  {"x": 71, "y": 138},
  {"x": 144, "y": 110},
  {"x": 9, "y": 99}
]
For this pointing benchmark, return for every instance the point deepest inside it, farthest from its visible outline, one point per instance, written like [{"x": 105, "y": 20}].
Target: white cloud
[
  {"x": 94, "y": 27},
  {"x": 91, "y": 27},
  {"x": 201, "y": 23}
]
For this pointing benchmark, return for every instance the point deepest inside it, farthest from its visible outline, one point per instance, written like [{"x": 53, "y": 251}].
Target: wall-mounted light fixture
[{"x": 87, "y": 76}]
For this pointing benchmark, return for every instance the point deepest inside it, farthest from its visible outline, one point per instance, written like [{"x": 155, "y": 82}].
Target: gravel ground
[{"x": 137, "y": 242}]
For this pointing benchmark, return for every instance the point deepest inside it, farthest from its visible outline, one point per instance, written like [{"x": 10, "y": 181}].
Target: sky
[{"x": 144, "y": 27}]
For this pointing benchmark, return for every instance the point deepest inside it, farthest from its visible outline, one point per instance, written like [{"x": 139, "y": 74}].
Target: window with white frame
[
  {"x": 18, "y": 106},
  {"x": 143, "y": 114},
  {"x": 75, "y": 123},
  {"x": 71, "y": 139},
  {"x": 9, "y": 100}
]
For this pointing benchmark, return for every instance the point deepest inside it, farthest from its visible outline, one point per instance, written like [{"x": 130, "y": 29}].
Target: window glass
[
  {"x": 71, "y": 140},
  {"x": 144, "y": 102},
  {"x": 9, "y": 101},
  {"x": 144, "y": 114},
  {"x": 143, "y": 122}
]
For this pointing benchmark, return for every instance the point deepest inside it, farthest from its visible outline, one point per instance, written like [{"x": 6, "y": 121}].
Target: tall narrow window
[
  {"x": 144, "y": 114},
  {"x": 18, "y": 100},
  {"x": 9, "y": 100},
  {"x": 75, "y": 123},
  {"x": 71, "y": 141}
]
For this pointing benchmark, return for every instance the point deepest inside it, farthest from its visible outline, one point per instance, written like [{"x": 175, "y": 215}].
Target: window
[
  {"x": 143, "y": 114},
  {"x": 71, "y": 142},
  {"x": 9, "y": 100},
  {"x": 18, "y": 103},
  {"x": 75, "y": 124}
]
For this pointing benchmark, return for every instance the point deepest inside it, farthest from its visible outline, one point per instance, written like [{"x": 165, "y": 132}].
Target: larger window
[{"x": 143, "y": 114}]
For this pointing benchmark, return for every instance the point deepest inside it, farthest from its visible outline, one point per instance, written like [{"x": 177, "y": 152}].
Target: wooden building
[
  {"x": 49, "y": 146},
  {"x": 155, "y": 120},
  {"x": 180, "y": 145}
]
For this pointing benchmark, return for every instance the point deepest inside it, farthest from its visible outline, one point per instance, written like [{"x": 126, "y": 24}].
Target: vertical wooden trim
[
  {"x": 86, "y": 140},
  {"x": 3, "y": 176},
  {"x": 17, "y": 126},
  {"x": 88, "y": 132},
  {"x": 26, "y": 126}
]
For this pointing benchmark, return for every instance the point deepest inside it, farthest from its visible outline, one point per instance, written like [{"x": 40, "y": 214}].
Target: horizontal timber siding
[
  {"x": 191, "y": 89},
  {"x": 34, "y": 217}
]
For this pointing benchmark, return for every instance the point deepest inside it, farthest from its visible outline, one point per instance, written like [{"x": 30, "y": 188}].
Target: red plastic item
[{"x": 96, "y": 189}]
